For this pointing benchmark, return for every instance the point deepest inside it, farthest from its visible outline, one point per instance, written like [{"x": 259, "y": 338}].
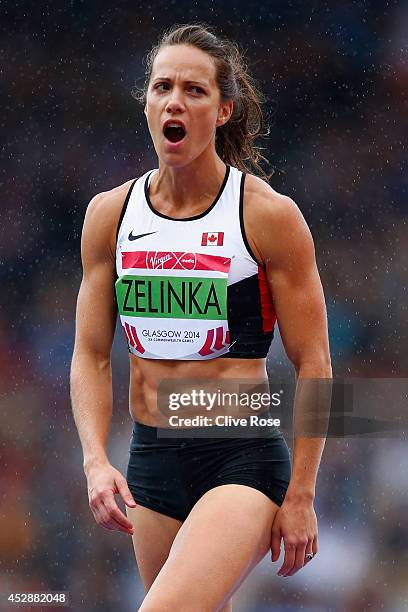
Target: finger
[
  {"x": 111, "y": 524},
  {"x": 116, "y": 515},
  {"x": 101, "y": 517},
  {"x": 275, "y": 544},
  {"x": 289, "y": 559},
  {"x": 310, "y": 549},
  {"x": 125, "y": 493},
  {"x": 299, "y": 558},
  {"x": 108, "y": 526},
  {"x": 315, "y": 546},
  {"x": 95, "y": 507}
]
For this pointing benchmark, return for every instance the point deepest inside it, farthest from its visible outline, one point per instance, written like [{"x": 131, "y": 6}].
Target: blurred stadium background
[{"x": 336, "y": 80}]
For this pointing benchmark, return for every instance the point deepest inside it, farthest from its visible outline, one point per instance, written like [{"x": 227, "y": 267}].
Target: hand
[
  {"x": 104, "y": 482},
  {"x": 296, "y": 523}
]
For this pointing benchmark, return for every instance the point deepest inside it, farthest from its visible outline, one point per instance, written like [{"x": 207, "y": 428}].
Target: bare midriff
[{"x": 146, "y": 375}]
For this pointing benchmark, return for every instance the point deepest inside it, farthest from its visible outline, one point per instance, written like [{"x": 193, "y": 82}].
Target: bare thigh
[
  {"x": 224, "y": 537},
  {"x": 153, "y": 536}
]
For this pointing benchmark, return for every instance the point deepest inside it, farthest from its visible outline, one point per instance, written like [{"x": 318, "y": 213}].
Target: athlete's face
[{"x": 183, "y": 87}]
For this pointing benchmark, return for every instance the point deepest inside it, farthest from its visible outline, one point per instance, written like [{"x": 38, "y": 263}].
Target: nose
[{"x": 175, "y": 102}]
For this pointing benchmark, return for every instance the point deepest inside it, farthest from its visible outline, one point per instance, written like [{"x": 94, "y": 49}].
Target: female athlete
[{"x": 200, "y": 258}]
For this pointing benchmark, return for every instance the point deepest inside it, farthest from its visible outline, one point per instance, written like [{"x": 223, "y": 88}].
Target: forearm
[
  {"x": 311, "y": 415},
  {"x": 307, "y": 453},
  {"x": 91, "y": 398}
]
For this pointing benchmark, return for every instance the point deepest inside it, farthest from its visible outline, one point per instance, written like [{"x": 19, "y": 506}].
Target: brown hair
[{"x": 234, "y": 139}]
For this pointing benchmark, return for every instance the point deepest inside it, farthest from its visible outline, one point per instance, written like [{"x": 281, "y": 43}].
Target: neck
[{"x": 184, "y": 188}]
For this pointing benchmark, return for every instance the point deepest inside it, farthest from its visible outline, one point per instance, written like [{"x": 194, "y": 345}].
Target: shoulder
[
  {"x": 273, "y": 221},
  {"x": 109, "y": 203},
  {"x": 103, "y": 214},
  {"x": 263, "y": 201}
]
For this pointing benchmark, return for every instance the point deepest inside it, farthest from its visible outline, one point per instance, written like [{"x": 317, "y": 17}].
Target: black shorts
[{"x": 169, "y": 475}]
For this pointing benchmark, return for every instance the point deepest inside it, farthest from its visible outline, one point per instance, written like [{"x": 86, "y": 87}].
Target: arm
[
  {"x": 91, "y": 380},
  {"x": 287, "y": 250},
  {"x": 91, "y": 376},
  {"x": 301, "y": 313}
]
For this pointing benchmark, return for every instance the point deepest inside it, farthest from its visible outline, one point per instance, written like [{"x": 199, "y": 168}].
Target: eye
[
  {"x": 196, "y": 87},
  {"x": 159, "y": 85}
]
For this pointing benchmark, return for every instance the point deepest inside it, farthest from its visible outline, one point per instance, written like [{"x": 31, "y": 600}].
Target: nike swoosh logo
[{"x": 132, "y": 237}]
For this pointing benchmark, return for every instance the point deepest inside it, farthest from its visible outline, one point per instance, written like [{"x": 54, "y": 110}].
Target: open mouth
[{"x": 174, "y": 134}]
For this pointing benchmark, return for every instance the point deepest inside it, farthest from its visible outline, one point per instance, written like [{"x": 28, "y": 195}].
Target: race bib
[{"x": 173, "y": 305}]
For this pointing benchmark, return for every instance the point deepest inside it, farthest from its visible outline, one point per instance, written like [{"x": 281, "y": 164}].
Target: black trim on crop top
[
  {"x": 205, "y": 212},
  {"x": 241, "y": 221},
  {"x": 123, "y": 211},
  {"x": 122, "y": 214}
]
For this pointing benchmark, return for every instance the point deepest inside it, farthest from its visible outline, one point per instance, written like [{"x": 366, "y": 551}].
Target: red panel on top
[
  {"x": 174, "y": 260},
  {"x": 267, "y": 309}
]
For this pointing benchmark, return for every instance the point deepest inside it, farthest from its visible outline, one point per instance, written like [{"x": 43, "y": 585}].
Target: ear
[{"x": 224, "y": 112}]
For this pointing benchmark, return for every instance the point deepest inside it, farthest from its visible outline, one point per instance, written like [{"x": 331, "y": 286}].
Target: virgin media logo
[{"x": 170, "y": 260}]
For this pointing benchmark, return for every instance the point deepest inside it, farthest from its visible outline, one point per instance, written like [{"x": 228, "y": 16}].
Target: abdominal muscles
[{"x": 152, "y": 381}]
